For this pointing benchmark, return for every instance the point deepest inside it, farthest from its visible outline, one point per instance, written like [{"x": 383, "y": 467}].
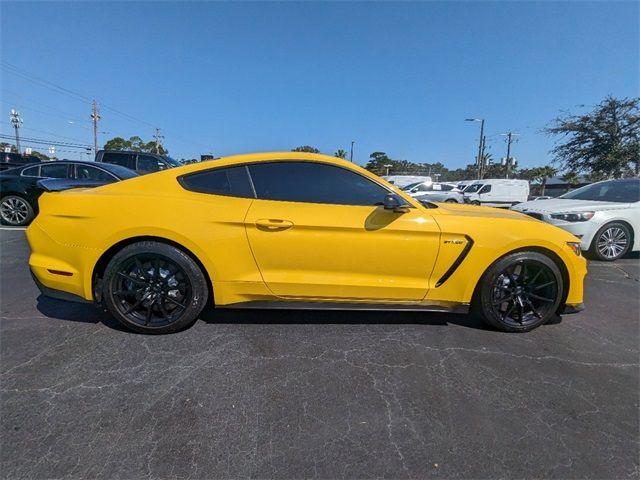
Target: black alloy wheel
[
  {"x": 520, "y": 292},
  {"x": 611, "y": 242},
  {"x": 15, "y": 211},
  {"x": 152, "y": 287}
]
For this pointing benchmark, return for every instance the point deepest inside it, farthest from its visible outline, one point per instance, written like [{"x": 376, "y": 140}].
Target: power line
[
  {"x": 48, "y": 142},
  {"x": 10, "y": 68},
  {"x": 46, "y": 133}
]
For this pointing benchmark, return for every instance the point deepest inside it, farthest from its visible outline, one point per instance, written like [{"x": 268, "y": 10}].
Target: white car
[
  {"x": 497, "y": 192},
  {"x": 605, "y": 216}
]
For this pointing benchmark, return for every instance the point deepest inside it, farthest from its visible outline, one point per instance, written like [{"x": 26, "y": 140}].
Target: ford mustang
[{"x": 295, "y": 230}]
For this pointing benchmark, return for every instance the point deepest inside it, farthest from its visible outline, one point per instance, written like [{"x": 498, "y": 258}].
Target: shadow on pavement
[{"x": 88, "y": 313}]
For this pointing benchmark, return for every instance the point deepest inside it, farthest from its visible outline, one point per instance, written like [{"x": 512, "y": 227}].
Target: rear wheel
[
  {"x": 152, "y": 287},
  {"x": 450, "y": 200},
  {"x": 475, "y": 202},
  {"x": 519, "y": 292},
  {"x": 16, "y": 211},
  {"x": 611, "y": 242}
]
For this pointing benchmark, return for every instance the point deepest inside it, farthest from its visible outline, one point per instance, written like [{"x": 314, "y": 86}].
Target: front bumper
[{"x": 585, "y": 231}]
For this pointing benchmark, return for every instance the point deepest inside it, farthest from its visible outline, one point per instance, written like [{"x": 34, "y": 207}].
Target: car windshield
[
  {"x": 410, "y": 186},
  {"x": 622, "y": 191},
  {"x": 474, "y": 187},
  {"x": 173, "y": 162},
  {"x": 118, "y": 170}
]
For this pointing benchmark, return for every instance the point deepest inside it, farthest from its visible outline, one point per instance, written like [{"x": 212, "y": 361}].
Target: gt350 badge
[{"x": 454, "y": 241}]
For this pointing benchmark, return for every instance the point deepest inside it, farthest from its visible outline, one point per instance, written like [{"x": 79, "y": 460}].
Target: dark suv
[
  {"x": 141, "y": 162},
  {"x": 10, "y": 160}
]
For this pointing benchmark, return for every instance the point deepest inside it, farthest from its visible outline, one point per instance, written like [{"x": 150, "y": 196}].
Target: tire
[
  {"x": 475, "y": 202},
  {"x": 450, "y": 200},
  {"x": 155, "y": 288},
  {"x": 16, "y": 211},
  {"x": 530, "y": 287},
  {"x": 612, "y": 242}
]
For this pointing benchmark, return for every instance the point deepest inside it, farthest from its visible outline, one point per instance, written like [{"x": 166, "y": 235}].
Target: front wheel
[
  {"x": 152, "y": 287},
  {"x": 450, "y": 200},
  {"x": 475, "y": 202},
  {"x": 519, "y": 292},
  {"x": 611, "y": 242}
]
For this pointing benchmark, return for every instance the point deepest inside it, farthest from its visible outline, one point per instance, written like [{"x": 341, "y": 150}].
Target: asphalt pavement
[{"x": 272, "y": 394}]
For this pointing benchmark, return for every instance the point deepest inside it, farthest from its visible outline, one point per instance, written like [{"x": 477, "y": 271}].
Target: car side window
[
  {"x": 123, "y": 159},
  {"x": 485, "y": 189},
  {"x": 424, "y": 188},
  {"x": 231, "y": 181},
  {"x": 313, "y": 182},
  {"x": 147, "y": 163},
  {"x": 54, "y": 171},
  {"x": 92, "y": 173},
  {"x": 31, "y": 171}
]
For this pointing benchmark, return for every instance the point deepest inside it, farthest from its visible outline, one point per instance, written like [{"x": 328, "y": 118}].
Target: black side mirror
[{"x": 393, "y": 202}]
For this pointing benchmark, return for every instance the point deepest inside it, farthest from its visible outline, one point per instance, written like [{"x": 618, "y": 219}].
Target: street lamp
[
  {"x": 351, "y": 156},
  {"x": 480, "y": 145},
  {"x": 387, "y": 166}
]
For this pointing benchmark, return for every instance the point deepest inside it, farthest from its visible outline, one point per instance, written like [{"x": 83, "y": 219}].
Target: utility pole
[
  {"x": 508, "y": 161},
  {"x": 16, "y": 121},
  {"x": 351, "y": 155},
  {"x": 158, "y": 138},
  {"x": 480, "y": 160},
  {"x": 95, "y": 118}
]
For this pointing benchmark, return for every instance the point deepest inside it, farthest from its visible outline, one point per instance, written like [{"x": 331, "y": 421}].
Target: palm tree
[
  {"x": 340, "y": 153},
  {"x": 544, "y": 173},
  {"x": 571, "y": 178}
]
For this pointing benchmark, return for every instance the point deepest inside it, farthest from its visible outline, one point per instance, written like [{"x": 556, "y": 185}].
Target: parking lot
[{"x": 270, "y": 394}]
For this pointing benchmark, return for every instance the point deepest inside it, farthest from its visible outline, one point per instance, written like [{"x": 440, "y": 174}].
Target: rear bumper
[
  {"x": 572, "y": 308},
  {"x": 57, "y": 294}
]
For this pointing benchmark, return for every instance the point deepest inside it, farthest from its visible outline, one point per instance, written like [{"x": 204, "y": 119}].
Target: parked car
[
  {"x": 451, "y": 196},
  {"x": 141, "y": 162},
  {"x": 404, "y": 180},
  {"x": 19, "y": 189},
  {"x": 420, "y": 188},
  {"x": 434, "y": 192},
  {"x": 497, "y": 192},
  {"x": 12, "y": 160},
  {"x": 605, "y": 216},
  {"x": 294, "y": 230}
]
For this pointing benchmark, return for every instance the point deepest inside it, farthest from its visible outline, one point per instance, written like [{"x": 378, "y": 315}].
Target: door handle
[{"x": 273, "y": 224}]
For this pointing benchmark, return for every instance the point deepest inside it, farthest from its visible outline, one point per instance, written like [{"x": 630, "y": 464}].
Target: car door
[{"x": 318, "y": 231}]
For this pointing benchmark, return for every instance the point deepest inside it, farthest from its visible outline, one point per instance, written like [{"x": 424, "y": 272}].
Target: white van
[
  {"x": 404, "y": 180},
  {"x": 497, "y": 192}
]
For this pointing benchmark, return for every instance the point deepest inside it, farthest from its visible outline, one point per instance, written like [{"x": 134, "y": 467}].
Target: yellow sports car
[{"x": 294, "y": 230}]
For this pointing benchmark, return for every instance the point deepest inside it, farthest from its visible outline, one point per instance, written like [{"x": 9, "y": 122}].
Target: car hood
[
  {"x": 567, "y": 205},
  {"x": 483, "y": 212}
]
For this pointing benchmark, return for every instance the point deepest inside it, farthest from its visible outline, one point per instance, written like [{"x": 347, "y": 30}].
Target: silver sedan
[{"x": 605, "y": 216}]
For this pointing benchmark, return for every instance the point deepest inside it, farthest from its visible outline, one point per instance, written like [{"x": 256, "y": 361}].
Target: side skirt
[{"x": 449, "y": 307}]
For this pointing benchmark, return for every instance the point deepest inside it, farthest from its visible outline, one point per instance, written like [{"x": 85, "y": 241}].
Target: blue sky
[{"x": 398, "y": 77}]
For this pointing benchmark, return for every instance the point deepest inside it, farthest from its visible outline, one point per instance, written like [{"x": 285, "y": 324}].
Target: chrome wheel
[
  {"x": 524, "y": 293},
  {"x": 15, "y": 210},
  {"x": 612, "y": 242},
  {"x": 151, "y": 290}
]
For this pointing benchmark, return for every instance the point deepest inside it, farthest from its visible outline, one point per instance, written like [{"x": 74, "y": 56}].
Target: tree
[
  {"x": 135, "y": 144},
  {"x": 543, "y": 174},
  {"x": 603, "y": 141},
  {"x": 572, "y": 178},
  {"x": 340, "y": 153},
  {"x": 306, "y": 148}
]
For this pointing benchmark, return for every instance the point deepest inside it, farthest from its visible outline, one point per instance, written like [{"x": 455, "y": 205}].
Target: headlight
[
  {"x": 573, "y": 216},
  {"x": 575, "y": 246}
]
